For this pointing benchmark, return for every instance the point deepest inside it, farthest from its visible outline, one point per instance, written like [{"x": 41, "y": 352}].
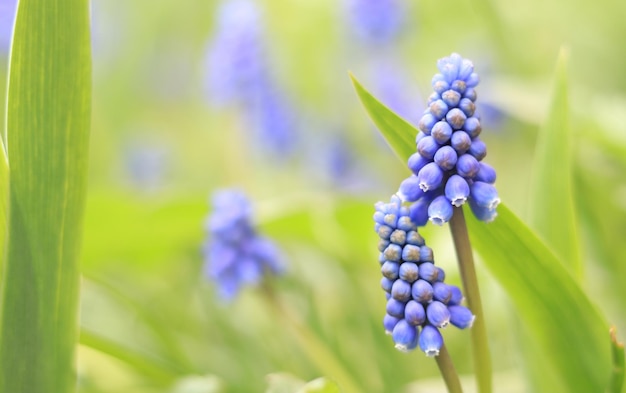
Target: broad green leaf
[
  {"x": 48, "y": 122},
  {"x": 562, "y": 319},
  {"x": 564, "y": 324},
  {"x": 552, "y": 204},
  {"x": 399, "y": 134}
]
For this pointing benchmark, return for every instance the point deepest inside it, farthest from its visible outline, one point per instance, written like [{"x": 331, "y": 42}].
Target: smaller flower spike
[
  {"x": 417, "y": 297},
  {"x": 447, "y": 165},
  {"x": 235, "y": 255}
]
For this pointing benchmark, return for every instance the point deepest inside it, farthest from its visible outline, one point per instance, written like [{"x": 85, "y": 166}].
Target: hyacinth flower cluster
[
  {"x": 447, "y": 167},
  {"x": 376, "y": 21},
  {"x": 235, "y": 254},
  {"x": 419, "y": 303}
]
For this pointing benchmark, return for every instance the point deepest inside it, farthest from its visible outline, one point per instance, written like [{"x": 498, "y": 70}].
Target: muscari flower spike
[
  {"x": 419, "y": 303},
  {"x": 235, "y": 254},
  {"x": 376, "y": 21},
  {"x": 447, "y": 167}
]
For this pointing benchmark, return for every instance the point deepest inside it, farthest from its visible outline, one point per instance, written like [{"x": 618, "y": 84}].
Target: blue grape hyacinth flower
[
  {"x": 235, "y": 254},
  {"x": 376, "y": 21},
  {"x": 419, "y": 303},
  {"x": 447, "y": 167}
]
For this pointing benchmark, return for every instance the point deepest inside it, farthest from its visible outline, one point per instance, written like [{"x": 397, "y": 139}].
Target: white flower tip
[
  {"x": 437, "y": 220},
  {"x": 431, "y": 353},
  {"x": 402, "y": 348}
]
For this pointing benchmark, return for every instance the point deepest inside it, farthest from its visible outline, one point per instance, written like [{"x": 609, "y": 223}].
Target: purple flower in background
[
  {"x": 7, "y": 19},
  {"x": 419, "y": 303},
  {"x": 236, "y": 62},
  {"x": 235, "y": 255},
  {"x": 376, "y": 21},
  {"x": 146, "y": 165},
  {"x": 447, "y": 166}
]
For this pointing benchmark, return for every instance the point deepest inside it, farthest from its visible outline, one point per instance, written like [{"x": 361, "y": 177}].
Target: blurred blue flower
[
  {"x": 417, "y": 297},
  {"x": 236, "y": 61},
  {"x": 446, "y": 168},
  {"x": 8, "y": 9},
  {"x": 376, "y": 21},
  {"x": 235, "y": 255},
  {"x": 146, "y": 165}
]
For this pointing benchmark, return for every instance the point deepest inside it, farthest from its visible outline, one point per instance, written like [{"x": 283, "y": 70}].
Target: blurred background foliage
[{"x": 160, "y": 145}]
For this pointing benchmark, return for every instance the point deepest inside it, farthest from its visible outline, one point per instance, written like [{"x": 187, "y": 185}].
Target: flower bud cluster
[
  {"x": 447, "y": 168},
  {"x": 235, "y": 255},
  {"x": 419, "y": 303}
]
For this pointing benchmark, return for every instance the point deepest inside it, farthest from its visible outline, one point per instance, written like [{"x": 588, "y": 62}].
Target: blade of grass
[
  {"x": 48, "y": 121},
  {"x": 552, "y": 204}
]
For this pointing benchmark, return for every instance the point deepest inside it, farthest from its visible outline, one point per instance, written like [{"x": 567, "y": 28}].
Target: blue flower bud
[
  {"x": 437, "y": 314},
  {"x": 482, "y": 213},
  {"x": 409, "y": 272},
  {"x": 393, "y": 252},
  {"x": 441, "y": 132},
  {"x": 426, "y": 254},
  {"x": 389, "y": 323},
  {"x": 472, "y": 80},
  {"x": 381, "y": 258},
  {"x": 439, "y": 109},
  {"x": 404, "y": 335},
  {"x": 478, "y": 149},
  {"x": 460, "y": 141},
  {"x": 432, "y": 98},
  {"x": 467, "y": 106},
  {"x": 459, "y": 86},
  {"x": 398, "y": 236},
  {"x": 405, "y": 224},
  {"x": 427, "y": 147},
  {"x": 467, "y": 166},
  {"x": 440, "y": 210},
  {"x": 384, "y": 231},
  {"x": 449, "y": 66},
  {"x": 470, "y": 94},
  {"x": 486, "y": 174},
  {"x": 428, "y": 272},
  {"x": 484, "y": 195},
  {"x": 414, "y": 238},
  {"x": 390, "y": 220},
  {"x": 442, "y": 292},
  {"x": 451, "y": 98},
  {"x": 411, "y": 253},
  {"x": 431, "y": 176},
  {"x": 386, "y": 284},
  {"x": 395, "y": 308},
  {"x": 382, "y": 244},
  {"x": 446, "y": 158},
  {"x": 414, "y": 313},
  {"x": 472, "y": 127},
  {"x": 426, "y": 123},
  {"x": 457, "y": 190},
  {"x": 379, "y": 217},
  {"x": 390, "y": 270},
  {"x": 410, "y": 189},
  {"x": 420, "y": 135},
  {"x": 439, "y": 84},
  {"x": 441, "y": 275},
  {"x": 457, "y": 295},
  {"x": 401, "y": 290},
  {"x": 422, "y": 291},
  {"x": 456, "y": 118},
  {"x": 417, "y": 162},
  {"x": 461, "y": 317},
  {"x": 466, "y": 69},
  {"x": 419, "y": 211},
  {"x": 430, "y": 341}
]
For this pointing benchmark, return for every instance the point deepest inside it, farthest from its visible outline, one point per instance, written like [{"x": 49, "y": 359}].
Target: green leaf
[
  {"x": 561, "y": 318},
  {"x": 4, "y": 204},
  {"x": 286, "y": 383},
  {"x": 399, "y": 134},
  {"x": 564, "y": 324},
  {"x": 48, "y": 122},
  {"x": 552, "y": 204}
]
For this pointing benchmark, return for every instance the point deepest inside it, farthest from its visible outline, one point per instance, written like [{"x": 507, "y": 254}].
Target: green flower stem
[
  {"x": 316, "y": 349},
  {"x": 482, "y": 358},
  {"x": 448, "y": 372}
]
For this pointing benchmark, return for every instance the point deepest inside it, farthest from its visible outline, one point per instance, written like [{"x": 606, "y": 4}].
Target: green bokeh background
[{"x": 143, "y": 286}]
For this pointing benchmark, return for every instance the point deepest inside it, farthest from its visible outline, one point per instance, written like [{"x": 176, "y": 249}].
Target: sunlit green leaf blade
[
  {"x": 399, "y": 134},
  {"x": 558, "y": 314},
  {"x": 48, "y": 123},
  {"x": 563, "y": 321},
  {"x": 552, "y": 205}
]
